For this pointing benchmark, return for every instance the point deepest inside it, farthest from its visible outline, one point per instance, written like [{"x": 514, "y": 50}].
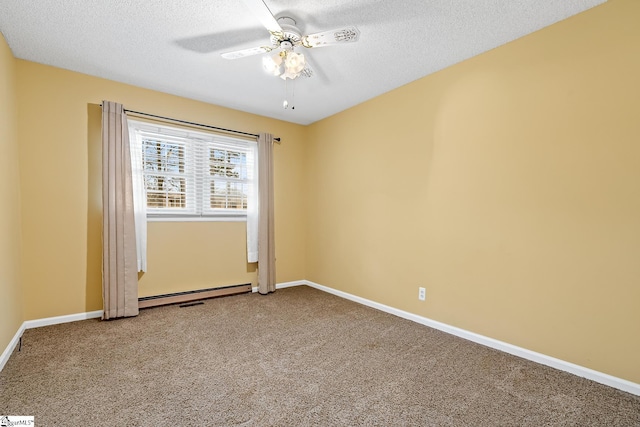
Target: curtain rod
[{"x": 194, "y": 124}]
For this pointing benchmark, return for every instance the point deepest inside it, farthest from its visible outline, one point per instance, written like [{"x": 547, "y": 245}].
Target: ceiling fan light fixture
[
  {"x": 285, "y": 36},
  {"x": 294, "y": 62},
  {"x": 288, "y": 75},
  {"x": 285, "y": 64},
  {"x": 272, "y": 64}
]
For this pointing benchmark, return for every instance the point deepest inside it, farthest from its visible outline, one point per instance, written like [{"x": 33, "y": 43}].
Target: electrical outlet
[{"x": 422, "y": 294}]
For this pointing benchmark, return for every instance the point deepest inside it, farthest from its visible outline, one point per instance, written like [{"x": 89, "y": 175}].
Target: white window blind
[{"x": 196, "y": 174}]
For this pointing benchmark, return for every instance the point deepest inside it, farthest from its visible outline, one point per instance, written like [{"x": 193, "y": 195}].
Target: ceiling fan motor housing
[{"x": 290, "y": 33}]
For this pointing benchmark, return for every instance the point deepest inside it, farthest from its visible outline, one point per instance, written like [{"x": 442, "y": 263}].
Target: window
[{"x": 190, "y": 174}]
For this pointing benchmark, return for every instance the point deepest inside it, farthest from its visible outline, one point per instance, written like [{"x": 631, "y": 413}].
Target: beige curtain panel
[
  {"x": 266, "y": 239},
  {"x": 119, "y": 257}
]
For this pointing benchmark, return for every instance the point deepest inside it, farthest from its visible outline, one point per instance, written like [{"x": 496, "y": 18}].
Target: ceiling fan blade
[
  {"x": 220, "y": 41},
  {"x": 264, "y": 15},
  {"x": 327, "y": 38},
  {"x": 246, "y": 52}
]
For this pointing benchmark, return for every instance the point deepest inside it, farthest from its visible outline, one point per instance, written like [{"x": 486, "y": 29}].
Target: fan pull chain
[
  {"x": 285, "y": 104},
  {"x": 293, "y": 95}
]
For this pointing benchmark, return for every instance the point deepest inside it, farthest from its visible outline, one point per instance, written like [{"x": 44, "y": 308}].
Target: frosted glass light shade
[
  {"x": 294, "y": 62},
  {"x": 272, "y": 64},
  {"x": 286, "y": 64}
]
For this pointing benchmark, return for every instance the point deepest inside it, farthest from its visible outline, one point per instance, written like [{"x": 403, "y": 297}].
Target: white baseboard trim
[
  {"x": 6, "y": 354},
  {"x": 30, "y": 324},
  {"x": 290, "y": 284},
  {"x": 581, "y": 371},
  {"x": 284, "y": 285}
]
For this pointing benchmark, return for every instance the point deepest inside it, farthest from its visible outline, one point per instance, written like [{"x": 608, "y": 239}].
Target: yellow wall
[
  {"x": 222, "y": 263},
  {"x": 10, "y": 281},
  {"x": 507, "y": 185},
  {"x": 59, "y": 133}
]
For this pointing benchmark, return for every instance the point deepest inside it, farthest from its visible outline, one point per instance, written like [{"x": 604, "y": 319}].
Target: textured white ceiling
[{"x": 174, "y": 46}]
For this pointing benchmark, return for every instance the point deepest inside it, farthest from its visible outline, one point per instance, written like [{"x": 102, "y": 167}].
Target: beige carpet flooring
[{"x": 299, "y": 357}]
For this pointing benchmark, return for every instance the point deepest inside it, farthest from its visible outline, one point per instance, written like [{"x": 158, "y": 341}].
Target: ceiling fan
[{"x": 285, "y": 37}]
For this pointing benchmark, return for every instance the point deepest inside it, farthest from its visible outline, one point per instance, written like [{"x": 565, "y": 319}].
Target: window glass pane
[
  {"x": 163, "y": 165},
  {"x": 228, "y": 195},
  {"x": 155, "y": 200},
  {"x": 227, "y": 163},
  {"x": 161, "y": 156},
  {"x": 165, "y": 192},
  {"x": 163, "y": 200}
]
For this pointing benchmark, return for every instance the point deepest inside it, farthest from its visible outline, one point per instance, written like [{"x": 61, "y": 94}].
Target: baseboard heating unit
[{"x": 200, "y": 294}]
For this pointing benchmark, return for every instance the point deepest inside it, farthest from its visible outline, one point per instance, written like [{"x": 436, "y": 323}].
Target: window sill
[{"x": 221, "y": 218}]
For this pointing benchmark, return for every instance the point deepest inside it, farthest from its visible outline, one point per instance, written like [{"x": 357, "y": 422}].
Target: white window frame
[{"x": 196, "y": 170}]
